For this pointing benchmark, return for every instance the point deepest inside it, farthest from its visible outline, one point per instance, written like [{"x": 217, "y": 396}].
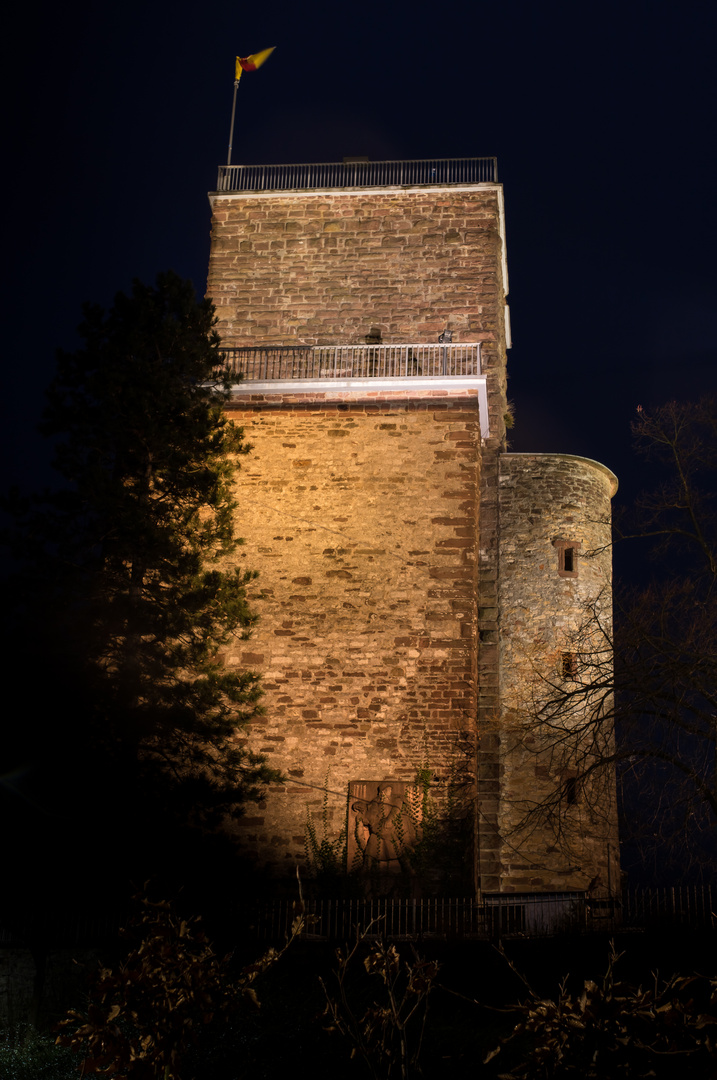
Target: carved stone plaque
[{"x": 384, "y": 825}]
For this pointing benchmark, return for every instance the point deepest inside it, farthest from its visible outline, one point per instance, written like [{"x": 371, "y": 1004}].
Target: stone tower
[{"x": 411, "y": 572}]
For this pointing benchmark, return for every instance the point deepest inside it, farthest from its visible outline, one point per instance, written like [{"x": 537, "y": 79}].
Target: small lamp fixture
[{"x": 446, "y": 337}]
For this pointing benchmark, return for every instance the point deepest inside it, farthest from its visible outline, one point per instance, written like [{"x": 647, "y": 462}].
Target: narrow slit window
[
  {"x": 569, "y": 665},
  {"x": 571, "y": 790},
  {"x": 567, "y": 557}
]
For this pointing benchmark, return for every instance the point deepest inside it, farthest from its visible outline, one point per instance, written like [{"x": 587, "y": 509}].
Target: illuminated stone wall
[
  {"x": 555, "y": 630},
  {"x": 362, "y": 520},
  {"x": 390, "y": 639},
  {"x": 319, "y": 268},
  {"x": 375, "y": 477},
  {"x": 324, "y": 268}
]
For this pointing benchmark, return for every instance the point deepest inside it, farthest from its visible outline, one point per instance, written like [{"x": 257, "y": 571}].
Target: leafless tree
[{"x": 640, "y": 697}]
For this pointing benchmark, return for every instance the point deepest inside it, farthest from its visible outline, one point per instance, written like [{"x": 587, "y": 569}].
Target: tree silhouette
[{"x": 128, "y": 722}]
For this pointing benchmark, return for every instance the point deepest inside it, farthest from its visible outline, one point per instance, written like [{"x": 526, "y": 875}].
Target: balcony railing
[
  {"x": 357, "y": 174},
  {"x": 352, "y": 361}
]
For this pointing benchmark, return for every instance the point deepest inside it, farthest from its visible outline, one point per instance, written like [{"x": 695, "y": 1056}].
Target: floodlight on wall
[{"x": 446, "y": 337}]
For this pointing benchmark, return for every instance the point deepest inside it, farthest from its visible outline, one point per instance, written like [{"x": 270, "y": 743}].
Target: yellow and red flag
[{"x": 251, "y": 63}]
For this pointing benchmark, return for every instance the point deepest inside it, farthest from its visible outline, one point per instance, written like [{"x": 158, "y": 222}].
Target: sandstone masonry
[
  {"x": 547, "y": 503},
  {"x": 396, "y": 546}
]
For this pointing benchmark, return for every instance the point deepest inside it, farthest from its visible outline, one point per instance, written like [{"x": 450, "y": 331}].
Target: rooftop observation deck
[
  {"x": 267, "y": 371},
  {"x": 357, "y": 174}
]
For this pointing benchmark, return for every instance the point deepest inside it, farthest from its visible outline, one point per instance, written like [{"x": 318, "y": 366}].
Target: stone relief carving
[{"x": 384, "y": 824}]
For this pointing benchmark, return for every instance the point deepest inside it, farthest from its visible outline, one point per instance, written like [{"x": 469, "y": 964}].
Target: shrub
[
  {"x": 143, "y": 1017},
  {"x": 388, "y": 1032},
  {"x": 612, "y": 1029}
]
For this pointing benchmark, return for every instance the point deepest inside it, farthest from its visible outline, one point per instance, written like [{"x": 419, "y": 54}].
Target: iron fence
[
  {"x": 352, "y": 361},
  {"x": 673, "y": 905},
  {"x": 329, "y": 919},
  {"x": 523, "y": 915},
  {"x": 535, "y": 914},
  {"x": 501, "y": 915},
  {"x": 358, "y": 174}
]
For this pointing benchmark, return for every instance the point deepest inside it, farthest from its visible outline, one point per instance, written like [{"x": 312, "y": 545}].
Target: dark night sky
[{"x": 600, "y": 115}]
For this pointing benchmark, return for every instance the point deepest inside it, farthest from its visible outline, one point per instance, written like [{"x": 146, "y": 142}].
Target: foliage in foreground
[
  {"x": 145, "y": 1015},
  {"x": 609, "y": 1029},
  {"x": 386, "y": 1033},
  {"x": 612, "y": 1029},
  {"x": 175, "y": 1011}
]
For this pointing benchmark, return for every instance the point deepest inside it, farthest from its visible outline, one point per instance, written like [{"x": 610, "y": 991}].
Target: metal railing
[
  {"x": 526, "y": 915},
  {"x": 535, "y": 915},
  {"x": 352, "y": 361},
  {"x": 357, "y": 174},
  {"x": 671, "y": 905},
  {"x": 337, "y": 920}
]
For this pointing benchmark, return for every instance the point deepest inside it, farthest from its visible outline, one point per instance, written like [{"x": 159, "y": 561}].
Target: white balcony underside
[{"x": 416, "y": 386}]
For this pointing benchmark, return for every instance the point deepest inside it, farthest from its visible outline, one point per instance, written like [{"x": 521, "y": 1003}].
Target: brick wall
[
  {"x": 361, "y": 512},
  {"x": 409, "y": 596},
  {"x": 361, "y": 517},
  {"x": 317, "y": 268},
  {"x": 314, "y": 268}
]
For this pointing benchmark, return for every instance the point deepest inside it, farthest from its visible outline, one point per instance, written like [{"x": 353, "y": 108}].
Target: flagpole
[
  {"x": 244, "y": 63},
  {"x": 231, "y": 126}
]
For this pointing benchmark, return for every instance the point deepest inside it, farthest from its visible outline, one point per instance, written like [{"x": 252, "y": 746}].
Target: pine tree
[{"x": 131, "y": 558}]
